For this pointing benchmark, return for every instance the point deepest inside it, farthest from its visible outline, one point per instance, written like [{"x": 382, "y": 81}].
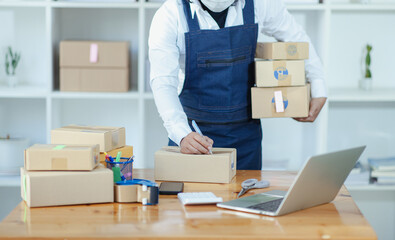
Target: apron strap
[
  {"x": 249, "y": 12},
  {"x": 193, "y": 23}
]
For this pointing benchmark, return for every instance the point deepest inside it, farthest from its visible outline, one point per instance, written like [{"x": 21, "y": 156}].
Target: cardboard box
[
  {"x": 56, "y": 188},
  {"x": 295, "y": 102},
  {"x": 61, "y": 157},
  {"x": 279, "y": 73},
  {"x": 127, "y": 151},
  {"x": 172, "y": 165},
  {"x": 283, "y": 50},
  {"x": 94, "y": 80},
  {"x": 108, "y": 138},
  {"x": 94, "y": 66}
]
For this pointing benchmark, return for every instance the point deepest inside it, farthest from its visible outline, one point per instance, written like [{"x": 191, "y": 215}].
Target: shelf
[
  {"x": 306, "y": 7},
  {"x": 23, "y": 91},
  {"x": 94, "y": 5},
  {"x": 357, "y": 95},
  {"x": 94, "y": 95},
  {"x": 13, "y": 3},
  {"x": 362, "y": 7},
  {"x": 153, "y": 4},
  {"x": 371, "y": 187},
  {"x": 149, "y": 96}
]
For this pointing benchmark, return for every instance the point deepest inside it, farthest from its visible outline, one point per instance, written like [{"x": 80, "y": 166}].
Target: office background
[{"x": 339, "y": 30}]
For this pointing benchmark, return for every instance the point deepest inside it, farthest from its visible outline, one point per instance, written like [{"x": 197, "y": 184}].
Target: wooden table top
[{"x": 340, "y": 219}]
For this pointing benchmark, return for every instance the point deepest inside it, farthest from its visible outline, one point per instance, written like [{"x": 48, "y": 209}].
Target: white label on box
[
  {"x": 278, "y": 101},
  {"x": 94, "y": 53}
]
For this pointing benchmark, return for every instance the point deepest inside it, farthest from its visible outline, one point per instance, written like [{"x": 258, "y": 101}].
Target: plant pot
[
  {"x": 12, "y": 155},
  {"x": 365, "y": 84},
  {"x": 12, "y": 81}
]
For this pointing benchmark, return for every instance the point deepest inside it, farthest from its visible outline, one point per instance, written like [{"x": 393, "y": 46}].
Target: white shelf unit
[{"x": 38, "y": 26}]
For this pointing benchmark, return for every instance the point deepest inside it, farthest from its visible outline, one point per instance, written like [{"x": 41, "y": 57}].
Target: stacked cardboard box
[
  {"x": 281, "y": 89},
  {"x": 94, "y": 66},
  {"x": 68, "y": 172}
]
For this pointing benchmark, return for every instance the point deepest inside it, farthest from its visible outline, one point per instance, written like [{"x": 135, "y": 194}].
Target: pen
[{"x": 197, "y": 129}]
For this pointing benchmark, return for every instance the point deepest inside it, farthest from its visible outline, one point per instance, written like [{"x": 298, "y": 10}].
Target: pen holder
[{"x": 122, "y": 170}]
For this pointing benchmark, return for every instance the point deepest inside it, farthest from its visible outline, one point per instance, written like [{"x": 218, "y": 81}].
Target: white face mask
[{"x": 217, "y": 5}]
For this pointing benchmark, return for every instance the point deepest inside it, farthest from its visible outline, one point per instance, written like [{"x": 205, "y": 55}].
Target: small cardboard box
[
  {"x": 108, "y": 138},
  {"x": 94, "y": 66},
  {"x": 283, "y": 50},
  {"x": 296, "y": 101},
  {"x": 126, "y": 151},
  {"x": 172, "y": 165},
  {"x": 279, "y": 73},
  {"x": 56, "y": 188},
  {"x": 61, "y": 157}
]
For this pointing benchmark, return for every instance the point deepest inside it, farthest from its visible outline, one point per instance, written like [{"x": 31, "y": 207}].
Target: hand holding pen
[{"x": 196, "y": 143}]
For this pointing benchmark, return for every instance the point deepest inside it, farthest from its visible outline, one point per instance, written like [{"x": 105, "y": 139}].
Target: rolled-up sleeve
[{"x": 164, "y": 60}]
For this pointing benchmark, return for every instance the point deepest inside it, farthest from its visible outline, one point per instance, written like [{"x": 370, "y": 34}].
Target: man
[{"x": 213, "y": 43}]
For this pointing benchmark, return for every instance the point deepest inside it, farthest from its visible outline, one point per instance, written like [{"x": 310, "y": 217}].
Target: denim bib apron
[{"x": 218, "y": 76}]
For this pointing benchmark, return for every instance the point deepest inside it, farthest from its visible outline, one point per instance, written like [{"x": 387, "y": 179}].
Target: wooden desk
[{"x": 340, "y": 219}]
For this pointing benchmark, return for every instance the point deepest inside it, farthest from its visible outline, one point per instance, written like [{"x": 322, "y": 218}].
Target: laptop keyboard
[{"x": 270, "y": 206}]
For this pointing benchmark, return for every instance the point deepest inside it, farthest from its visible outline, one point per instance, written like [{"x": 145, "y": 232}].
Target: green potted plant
[
  {"x": 11, "y": 63},
  {"x": 366, "y": 81}
]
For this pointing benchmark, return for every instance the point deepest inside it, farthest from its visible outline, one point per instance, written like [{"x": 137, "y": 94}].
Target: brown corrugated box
[
  {"x": 56, "y": 188},
  {"x": 296, "y": 102},
  {"x": 108, "y": 138},
  {"x": 172, "y": 165},
  {"x": 279, "y": 73},
  {"x": 283, "y": 50},
  {"x": 44, "y": 157},
  {"x": 108, "y": 71},
  {"x": 126, "y": 151}
]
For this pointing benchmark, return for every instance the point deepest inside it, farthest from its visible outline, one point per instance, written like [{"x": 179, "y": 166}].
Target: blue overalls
[{"x": 218, "y": 76}]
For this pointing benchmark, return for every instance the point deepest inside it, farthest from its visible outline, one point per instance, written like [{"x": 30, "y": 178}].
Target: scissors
[{"x": 252, "y": 183}]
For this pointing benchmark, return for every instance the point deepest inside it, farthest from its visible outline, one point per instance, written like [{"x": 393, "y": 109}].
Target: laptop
[{"x": 317, "y": 183}]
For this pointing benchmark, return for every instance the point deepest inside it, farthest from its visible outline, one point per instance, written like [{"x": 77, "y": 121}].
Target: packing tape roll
[
  {"x": 283, "y": 77},
  {"x": 125, "y": 193}
]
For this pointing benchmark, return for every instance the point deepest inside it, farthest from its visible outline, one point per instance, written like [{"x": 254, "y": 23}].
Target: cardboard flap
[
  {"x": 89, "y": 128},
  {"x": 216, "y": 151}
]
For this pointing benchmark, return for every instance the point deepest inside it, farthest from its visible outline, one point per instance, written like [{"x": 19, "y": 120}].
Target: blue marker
[{"x": 197, "y": 129}]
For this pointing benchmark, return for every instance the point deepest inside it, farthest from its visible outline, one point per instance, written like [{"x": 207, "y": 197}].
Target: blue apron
[{"x": 218, "y": 77}]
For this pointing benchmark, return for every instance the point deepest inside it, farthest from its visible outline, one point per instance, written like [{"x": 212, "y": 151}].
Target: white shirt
[{"x": 167, "y": 52}]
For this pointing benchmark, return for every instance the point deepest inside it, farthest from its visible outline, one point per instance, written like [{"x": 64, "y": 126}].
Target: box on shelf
[
  {"x": 56, "y": 188},
  {"x": 94, "y": 66},
  {"x": 126, "y": 151},
  {"x": 279, "y": 73},
  {"x": 283, "y": 50},
  {"x": 61, "y": 157},
  {"x": 108, "y": 138},
  {"x": 280, "y": 102},
  {"x": 172, "y": 165}
]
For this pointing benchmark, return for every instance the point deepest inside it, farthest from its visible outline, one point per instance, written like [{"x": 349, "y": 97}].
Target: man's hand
[
  {"x": 316, "y": 105},
  {"x": 193, "y": 143}
]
